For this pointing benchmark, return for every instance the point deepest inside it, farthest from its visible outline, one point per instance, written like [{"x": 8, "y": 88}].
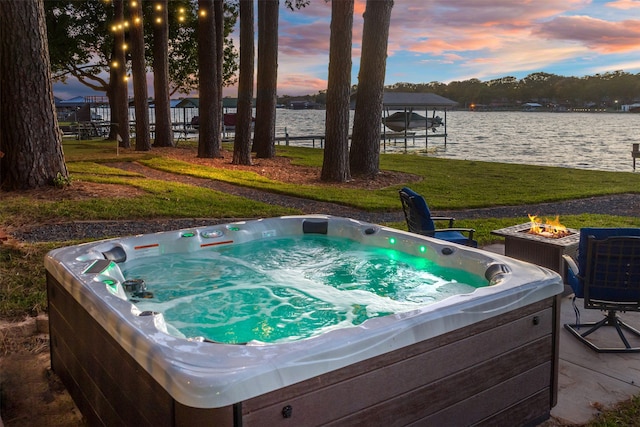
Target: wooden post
[
  {"x": 445, "y": 129},
  {"x": 635, "y": 153}
]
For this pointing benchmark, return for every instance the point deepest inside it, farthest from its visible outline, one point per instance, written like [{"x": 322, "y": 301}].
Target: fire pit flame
[{"x": 551, "y": 228}]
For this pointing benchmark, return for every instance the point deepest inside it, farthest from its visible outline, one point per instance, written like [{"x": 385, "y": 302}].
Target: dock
[
  {"x": 385, "y": 138},
  {"x": 185, "y": 131}
]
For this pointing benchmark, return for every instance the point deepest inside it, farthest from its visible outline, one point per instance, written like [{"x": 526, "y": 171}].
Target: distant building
[
  {"x": 632, "y": 108},
  {"x": 79, "y": 108},
  {"x": 531, "y": 106}
]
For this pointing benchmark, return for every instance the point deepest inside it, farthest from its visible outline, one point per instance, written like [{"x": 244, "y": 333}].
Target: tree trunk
[
  {"x": 209, "y": 129},
  {"x": 163, "y": 127},
  {"x": 120, "y": 100},
  {"x": 219, "y": 9},
  {"x": 139, "y": 71},
  {"x": 30, "y": 139},
  {"x": 335, "y": 166},
  {"x": 242, "y": 143},
  {"x": 364, "y": 157},
  {"x": 264, "y": 137}
]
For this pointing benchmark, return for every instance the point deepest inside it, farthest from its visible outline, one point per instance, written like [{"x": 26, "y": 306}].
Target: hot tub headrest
[
  {"x": 115, "y": 254},
  {"x": 315, "y": 226}
]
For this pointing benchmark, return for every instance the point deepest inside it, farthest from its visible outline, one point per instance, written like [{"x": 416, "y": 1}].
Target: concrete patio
[{"x": 590, "y": 382}]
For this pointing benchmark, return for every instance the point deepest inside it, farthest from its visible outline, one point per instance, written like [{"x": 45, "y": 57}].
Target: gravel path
[
  {"x": 619, "y": 204},
  {"x": 623, "y": 205}
]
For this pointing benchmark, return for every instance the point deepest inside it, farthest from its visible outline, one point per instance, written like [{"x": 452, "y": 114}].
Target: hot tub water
[
  {"x": 110, "y": 346},
  {"x": 287, "y": 289}
]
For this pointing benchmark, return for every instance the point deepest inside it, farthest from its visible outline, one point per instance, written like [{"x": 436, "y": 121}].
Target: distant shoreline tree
[{"x": 600, "y": 91}]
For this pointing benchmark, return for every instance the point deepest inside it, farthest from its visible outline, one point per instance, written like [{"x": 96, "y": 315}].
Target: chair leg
[
  {"x": 619, "y": 325},
  {"x": 611, "y": 319}
]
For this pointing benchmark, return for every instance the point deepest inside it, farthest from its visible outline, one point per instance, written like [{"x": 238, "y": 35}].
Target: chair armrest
[
  {"x": 573, "y": 277},
  {"x": 571, "y": 264},
  {"x": 444, "y": 218}
]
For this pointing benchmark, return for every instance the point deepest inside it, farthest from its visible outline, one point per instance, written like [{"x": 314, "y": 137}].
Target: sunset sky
[{"x": 449, "y": 40}]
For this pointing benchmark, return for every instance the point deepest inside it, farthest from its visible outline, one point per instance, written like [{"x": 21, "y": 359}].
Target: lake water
[{"x": 600, "y": 141}]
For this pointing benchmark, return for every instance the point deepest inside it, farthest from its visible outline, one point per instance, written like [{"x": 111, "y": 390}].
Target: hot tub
[{"x": 489, "y": 355}]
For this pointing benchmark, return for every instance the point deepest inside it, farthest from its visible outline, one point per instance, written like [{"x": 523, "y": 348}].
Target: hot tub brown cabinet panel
[{"x": 499, "y": 371}]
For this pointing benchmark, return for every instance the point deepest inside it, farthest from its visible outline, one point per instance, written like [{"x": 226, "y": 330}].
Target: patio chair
[
  {"x": 607, "y": 276},
  {"x": 420, "y": 220}
]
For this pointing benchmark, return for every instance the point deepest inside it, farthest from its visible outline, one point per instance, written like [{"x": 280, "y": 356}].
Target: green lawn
[{"x": 446, "y": 184}]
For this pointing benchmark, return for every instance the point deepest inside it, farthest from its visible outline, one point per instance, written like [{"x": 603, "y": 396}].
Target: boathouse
[{"x": 417, "y": 102}]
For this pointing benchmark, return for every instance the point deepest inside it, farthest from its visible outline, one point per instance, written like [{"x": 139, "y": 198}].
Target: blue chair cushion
[
  {"x": 426, "y": 223},
  {"x": 455, "y": 237}
]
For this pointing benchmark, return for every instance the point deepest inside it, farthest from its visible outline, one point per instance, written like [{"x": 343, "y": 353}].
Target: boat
[{"x": 401, "y": 121}]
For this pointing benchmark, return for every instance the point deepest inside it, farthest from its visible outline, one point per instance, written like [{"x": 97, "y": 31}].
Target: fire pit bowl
[{"x": 539, "y": 249}]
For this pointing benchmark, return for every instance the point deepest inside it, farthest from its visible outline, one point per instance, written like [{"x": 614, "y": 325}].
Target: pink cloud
[
  {"x": 502, "y": 35},
  {"x": 624, "y": 4},
  {"x": 461, "y": 43},
  {"x": 440, "y": 27},
  {"x": 456, "y": 15},
  {"x": 477, "y": 38},
  {"x": 308, "y": 39},
  {"x": 597, "y": 34},
  {"x": 299, "y": 84},
  {"x": 312, "y": 38}
]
